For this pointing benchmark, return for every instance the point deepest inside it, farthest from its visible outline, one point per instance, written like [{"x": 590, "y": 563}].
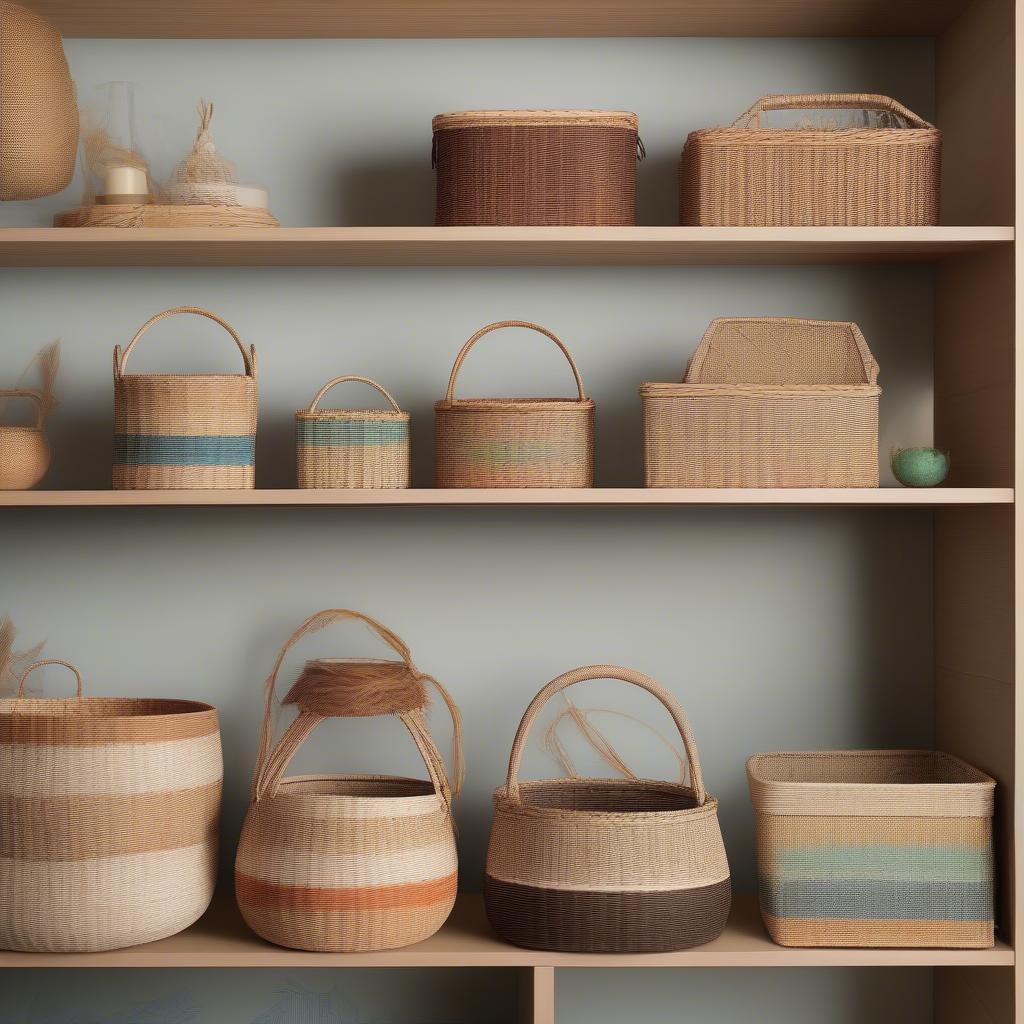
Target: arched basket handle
[
  {"x": 352, "y": 377},
  {"x": 33, "y": 396},
  {"x": 51, "y": 661},
  {"x": 827, "y": 101}
]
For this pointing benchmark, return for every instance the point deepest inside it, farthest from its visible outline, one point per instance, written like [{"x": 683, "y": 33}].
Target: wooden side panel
[
  {"x": 973, "y": 995},
  {"x": 536, "y": 995}
]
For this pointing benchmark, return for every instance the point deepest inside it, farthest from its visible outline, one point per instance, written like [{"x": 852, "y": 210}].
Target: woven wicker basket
[
  {"x": 606, "y": 865},
  {"x": 109, "y": 813},
  {"x": 770, "y": 402},
  {"x": 746, "y": 175},
  {"x": 352, "y": 447},
  {"x": 348, "y": 863},
  {"x": 24, "y": 450},
  {"x": 547, "y": 167},
  {"x": 514, "y": 442},
  {"x": 174, "y": 431},
  {"x": 874, "y": 848},
  {"x": 38, "y": 111}
]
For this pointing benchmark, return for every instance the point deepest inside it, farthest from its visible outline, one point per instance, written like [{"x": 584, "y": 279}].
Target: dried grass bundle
[
  {"x": 339, "y": 687},
  {"x": 204, "y": 176},
  {"x": 13, "y": 663},
  {"x": 101, "y": 153}
]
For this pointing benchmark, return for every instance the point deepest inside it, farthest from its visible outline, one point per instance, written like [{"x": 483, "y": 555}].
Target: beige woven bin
[
  {"x": 514, "y": 442},
  {"x": 109, "y": 815},
  {"x": 606, "y": 865},
  {"x": 182, "y": 431},
  {"x": 38, "y": 110},
  {"x": 747, "y": 175},
  {"x": 349, "y": 863},
  {"x": 352, "y": 447},
  {"x": 770, "y": 402},
  {"x": 24, "y": 450},
  {"x": 874, "y": 848}
]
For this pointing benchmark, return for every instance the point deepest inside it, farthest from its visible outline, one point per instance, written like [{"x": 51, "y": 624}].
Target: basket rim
[
  {"x": 186, "y": 376},
  {"x": 529, "y": 118},
  {"x": 672, "y": 389},
  {"x": 174, "y": 708},
  {"x": 429, "y": 790},
  {"x": 513, "y": 404},
  {"x": 817, "y": 136},
  {"x": 355, "y": 415}
]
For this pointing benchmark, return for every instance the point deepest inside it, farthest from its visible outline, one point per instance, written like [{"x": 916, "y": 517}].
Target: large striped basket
[
  {"x": 352, "y": 447},
  {"x": 109, "y": 816},
  {"x": 606, "y": 865},
  {"x": 874, "y": 848},
  {"x": 184, "y": 431},
  {"x": 349, "y": 863},
  {"x": 514, "y": 442}
]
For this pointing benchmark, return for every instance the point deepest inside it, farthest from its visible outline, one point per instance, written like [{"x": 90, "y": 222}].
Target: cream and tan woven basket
[
  {"x": 352, "y": 447},
  {"x": 514, "y": 442},
  {"x": 606, "y": 865},
  {"x": 747, "y": 175},
  {"x": 349, "y": 863},
  {"x": 874, "y": 848},
  {"x": 24, "y": 450},
  {"x": 109, "y": 815},
  {"x": 181, "y": 430},
  {"x": 767, "y": 402}
]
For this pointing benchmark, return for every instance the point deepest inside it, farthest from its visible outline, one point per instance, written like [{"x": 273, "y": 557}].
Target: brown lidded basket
[
  {"x": 885, "y": 172},
  {"x": 874, "y": 848},
  {"x": 544, "y": 167},
  {"x": 514, "y": 442},
  {"x": 767, "y": 402},
  {"x": 352, "y": 447},
  {"x": 606, "y": 865},
  {"x": 181, "y": 430}
]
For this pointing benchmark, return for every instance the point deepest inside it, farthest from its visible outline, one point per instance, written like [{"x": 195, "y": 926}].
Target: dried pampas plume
[
  {"x": 48, "y": 361},
  {"x": 13, "y": 663}
]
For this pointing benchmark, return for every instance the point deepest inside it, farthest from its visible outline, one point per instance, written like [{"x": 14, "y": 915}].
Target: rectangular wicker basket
[
  {"x": 885, "y": 172},
  {"x": 875, "y": 848},
  {"x": 769, "y": 402}
]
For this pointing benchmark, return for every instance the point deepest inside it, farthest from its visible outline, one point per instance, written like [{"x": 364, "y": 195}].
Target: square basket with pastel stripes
[{"x": 874, "y": 848}]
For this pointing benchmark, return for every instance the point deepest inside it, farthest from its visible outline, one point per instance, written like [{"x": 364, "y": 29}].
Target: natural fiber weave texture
[
  {"x": 349, "y": 863},
  {"x": 874, "y": 848},
  {"x": 24, "y": 450},
  {"x": 514, "y": 442},
  {"x": 184, "y": 430},
  {"x": 770, "y": 402},
  {"x": 746, "y": 175},
  {"x": 38, "y": 110},
  {"x": 543, "y": 167},
  {"x": 606, "y": 865},
  {"x": 109, "y": 815},
  {"x": 352, "y": 447}
]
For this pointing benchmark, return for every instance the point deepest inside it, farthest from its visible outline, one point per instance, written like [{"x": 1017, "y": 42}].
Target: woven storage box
[
  {"x": 38, "y": 109},
  {"x": 352, "y": 447},
  {"x": 606, "y": 865},
  {"x": 770, "y": 402},
  {"x": 746, "y": 175},
  {"x": 514, "y": 442},
  {"x": 174, "y": 431},
  {"x": 548, "y": 167},
  {"x": 349, "y": 863},
  {"x": 24, "y": 450},
  {"x": 874, "y": 848},
  {"x": 109, "y": 814}
]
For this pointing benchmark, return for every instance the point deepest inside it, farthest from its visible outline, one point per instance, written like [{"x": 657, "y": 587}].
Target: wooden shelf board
[
  {"x": 221, "y": 939},
  {"x": 891, "y": 497},
  {"x": 431, "y": 246},
  {"x": 495, "y": 18}
]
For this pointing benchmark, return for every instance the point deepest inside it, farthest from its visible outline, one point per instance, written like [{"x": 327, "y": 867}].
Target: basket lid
[
  {"x": 781, "y": 351},
  {"x": 536, "y": 118}
]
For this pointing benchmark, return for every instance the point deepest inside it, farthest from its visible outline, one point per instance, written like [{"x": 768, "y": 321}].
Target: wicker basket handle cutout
[
  {"x": 825, "y": 101},
  {"x": 51, "y": 661},
  {"x": 272, "y": 761},
  {"x": 248, "y": 356},
  {"x": 461, "y": 357},
  {"x": 33, "y": 396},
  {"x": 626, "y": 675},
  {"x": 351, "y": 377}
]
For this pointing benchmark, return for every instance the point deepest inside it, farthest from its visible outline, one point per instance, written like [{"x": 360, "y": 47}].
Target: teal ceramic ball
[{"x": 920, "y": 467}]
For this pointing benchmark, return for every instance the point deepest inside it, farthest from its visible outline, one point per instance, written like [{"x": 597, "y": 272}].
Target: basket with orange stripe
[
  {"x": 109, "y": 814},
  {"x": 349, "y": 863}
]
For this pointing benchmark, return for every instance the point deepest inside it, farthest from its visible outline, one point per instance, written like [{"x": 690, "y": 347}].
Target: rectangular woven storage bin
[
  {"x": 184, "y": 431},
  {"x": 546, "y": 167},
  {"x": 352, "y": 447},
  {"x": 874, "y": 848},
  {"x": 771, "y": 402},
  {"x": 882, "y": 173},
  {"x": 514, "y": 442},
  {"x": 109, "y": 817}
]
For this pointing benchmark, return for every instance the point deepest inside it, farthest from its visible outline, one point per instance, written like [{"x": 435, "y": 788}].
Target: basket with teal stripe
[
  {"x": 362, "y": 448},
  {"x": 874, "y": 848},
  {"x": 184, "y": 430}
]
